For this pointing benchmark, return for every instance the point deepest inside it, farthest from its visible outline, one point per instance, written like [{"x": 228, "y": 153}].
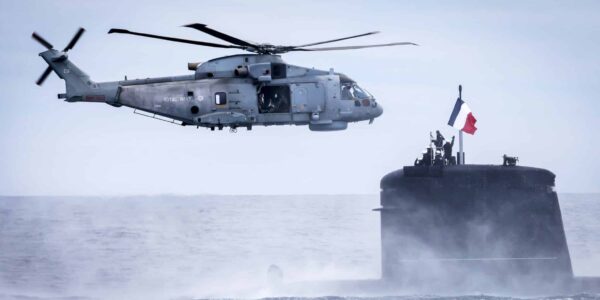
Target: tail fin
[{"x": 78, "y": 83}]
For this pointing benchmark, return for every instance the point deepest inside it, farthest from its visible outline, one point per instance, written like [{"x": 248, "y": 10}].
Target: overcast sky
[{"x": 530, "y": 72}]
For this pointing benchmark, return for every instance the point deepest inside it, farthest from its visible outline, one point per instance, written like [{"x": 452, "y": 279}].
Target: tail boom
[{"x": 79, "y": 86}]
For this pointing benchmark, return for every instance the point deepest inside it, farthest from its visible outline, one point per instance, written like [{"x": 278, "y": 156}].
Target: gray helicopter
[{"x": 232, "y": 91}]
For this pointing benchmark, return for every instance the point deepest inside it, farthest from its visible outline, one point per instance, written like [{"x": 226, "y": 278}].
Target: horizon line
[{"x": 220, "y": 195}]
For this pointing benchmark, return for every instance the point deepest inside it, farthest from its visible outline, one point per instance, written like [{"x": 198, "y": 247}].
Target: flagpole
[{"x": 461, "y": 154}]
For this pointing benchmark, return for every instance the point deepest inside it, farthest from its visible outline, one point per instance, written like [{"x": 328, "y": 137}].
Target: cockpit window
[{"x": 351, "y": 91}]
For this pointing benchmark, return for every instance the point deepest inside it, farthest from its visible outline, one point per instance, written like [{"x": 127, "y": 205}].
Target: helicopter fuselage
[{"x": 233, "y": 91}]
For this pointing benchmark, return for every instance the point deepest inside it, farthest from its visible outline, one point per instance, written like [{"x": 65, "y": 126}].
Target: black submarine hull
[
  {"x": 473, "y": 226},
  {"x": 465, "y": 229}
]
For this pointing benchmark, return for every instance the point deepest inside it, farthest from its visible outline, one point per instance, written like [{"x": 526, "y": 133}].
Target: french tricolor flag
[{"x": 462, "y": 118}]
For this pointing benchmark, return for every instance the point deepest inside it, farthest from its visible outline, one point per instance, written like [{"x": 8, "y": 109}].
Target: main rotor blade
[
  {"x": 41, "y": 40},
  {"x": 353, "y": 47},
  {"x": 116, "y": 30},
  {"x": 44, "y": 75},
  {"x": 74, "y": 39},
  {"x": 337, "y": 40},
  {"x": 220, "y": 35}
]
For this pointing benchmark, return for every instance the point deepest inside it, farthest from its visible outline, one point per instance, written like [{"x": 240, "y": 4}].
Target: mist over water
[
  {"x": 167, "y": 247},
  {"x": 582, "y": 226}
]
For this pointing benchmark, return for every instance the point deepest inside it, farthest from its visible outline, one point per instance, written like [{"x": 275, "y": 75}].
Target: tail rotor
[
  {"x": 74, "y": 39},
  {"x": 49, "y": 46},
  {"x": 44, "y": 75},
  {"x": 42, "y": 41}
]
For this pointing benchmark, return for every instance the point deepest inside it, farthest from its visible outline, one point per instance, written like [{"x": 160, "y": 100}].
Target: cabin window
[
  {"x": 351, "y": 91},
  {"x": 220, "y": 98},
  {"x": 190, "y": 94}
]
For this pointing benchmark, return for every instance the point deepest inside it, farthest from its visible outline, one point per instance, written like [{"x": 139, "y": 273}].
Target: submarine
[
  {"x": 453, "y": 228},
  {"x": 466, "y": 226},
  {"x": 447, "y": 225}
]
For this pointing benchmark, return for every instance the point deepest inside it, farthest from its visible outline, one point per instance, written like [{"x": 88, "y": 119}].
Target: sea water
[{"x": 187, "y": 247}]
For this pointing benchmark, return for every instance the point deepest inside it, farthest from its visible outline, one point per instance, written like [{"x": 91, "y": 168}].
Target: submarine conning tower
[{"x": 474, "y": 226}]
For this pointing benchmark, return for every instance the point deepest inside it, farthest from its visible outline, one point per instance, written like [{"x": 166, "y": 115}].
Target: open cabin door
[{"x": 274, "y": 99}]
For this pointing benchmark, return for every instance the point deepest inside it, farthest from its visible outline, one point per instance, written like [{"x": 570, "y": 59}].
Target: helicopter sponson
[{"x": 232, "y": 91}]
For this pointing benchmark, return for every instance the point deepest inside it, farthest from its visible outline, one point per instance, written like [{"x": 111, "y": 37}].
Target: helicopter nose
[{"x": 378, "y": 110}]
